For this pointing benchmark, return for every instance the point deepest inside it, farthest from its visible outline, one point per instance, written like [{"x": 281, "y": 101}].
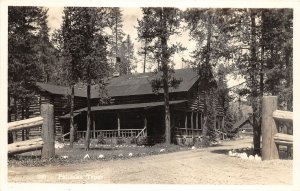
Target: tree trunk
[
  {"x": 88, "y": 118},
  {"x": 23, "y": 117},
  {"x": 254, "y": 85},
  {"x": 9, "y": 109},
  {"x": 205, "y": 83},
  {"x": 145, "y": 55},
  {"x": 116, "y": 42},
  {"x": 289, "y": 68},
  {"x": 15, "y": 134},
  {"x": 10, "y": 134},
  {"x": 214, "y": 114},
  {"x": 72, "y": 117},
  {"x": 27, "y": 117},
  {"x": 164, "y": 65}
]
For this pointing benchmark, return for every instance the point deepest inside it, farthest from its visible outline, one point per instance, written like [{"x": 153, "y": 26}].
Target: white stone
[
  {"x": 251, "y": 157},
  {"x": 193, "y": 148},
  {"x": 130, "y": 154},
  {"x": 243, "y": 156},
  {"x": 64, "y": 157},
  {"x": 58, "y": 145},
  {"x": 87, "y": 156},
  {"x": 162, "y": 150},
  {"x": 230, "y": 153},
  {"x": 101, "y": 156},
  {"x": 257, "y": 158}
]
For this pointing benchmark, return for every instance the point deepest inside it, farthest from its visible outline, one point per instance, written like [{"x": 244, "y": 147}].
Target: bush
[
  {"x": 101, "y": 139},
  {"x": 120, "y": 141}
]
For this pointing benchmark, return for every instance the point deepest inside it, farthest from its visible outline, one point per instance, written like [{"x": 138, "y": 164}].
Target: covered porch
[{"x": 134, "y": 121}]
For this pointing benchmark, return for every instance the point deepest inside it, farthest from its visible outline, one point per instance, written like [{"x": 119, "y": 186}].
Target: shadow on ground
[{"x": 248, "y": 151}]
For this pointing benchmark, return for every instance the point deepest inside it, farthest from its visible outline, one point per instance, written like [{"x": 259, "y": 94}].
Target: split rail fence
[
  {"x": 45, "y": 143},
  {"x": 272, "y": 137}
]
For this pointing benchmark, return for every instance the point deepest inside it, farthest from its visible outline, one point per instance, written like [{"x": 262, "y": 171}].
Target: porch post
[
  {"x": 94, "y": 127},
  {"x": 192, "y": 123},
  {"x": 197, "y": 120},
  {"x": 145, "y": 122},
  {"x": 119, "y": 125},
  {"x": 223, "y": 122},
  {"x": 145, "y": 126},
  {"x": 185, "y": 123}
]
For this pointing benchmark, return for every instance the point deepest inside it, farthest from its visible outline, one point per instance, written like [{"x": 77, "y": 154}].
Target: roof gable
[{"x": 139, "y": 84}]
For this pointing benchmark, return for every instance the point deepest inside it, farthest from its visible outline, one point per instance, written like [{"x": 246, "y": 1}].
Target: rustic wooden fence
[
  {"x": 271, "y": 135},
  {"x": 45, "y": 143}
]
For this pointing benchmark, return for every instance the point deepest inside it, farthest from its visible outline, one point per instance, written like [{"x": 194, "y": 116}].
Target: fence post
[
  {"x": 269, "y": 128},
  {"x": 47, "y": 112}
]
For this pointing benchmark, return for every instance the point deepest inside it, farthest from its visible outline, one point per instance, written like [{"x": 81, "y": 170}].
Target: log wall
[{"x": 61, "y": 107}]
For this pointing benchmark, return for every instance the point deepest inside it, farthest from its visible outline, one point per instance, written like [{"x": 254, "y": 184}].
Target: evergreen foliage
[{"x": 160, "y": 25}]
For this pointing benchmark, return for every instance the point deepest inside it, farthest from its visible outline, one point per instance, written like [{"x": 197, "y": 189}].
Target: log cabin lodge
[{"x": 134, "y": 111}]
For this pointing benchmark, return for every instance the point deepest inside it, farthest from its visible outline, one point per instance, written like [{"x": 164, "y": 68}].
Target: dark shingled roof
[
  {"x": 123, "y": 107},
  {"x": 133, "y": 84},
  {"x": 80, "y": 91},
  {"x": 240, "y": 123}
]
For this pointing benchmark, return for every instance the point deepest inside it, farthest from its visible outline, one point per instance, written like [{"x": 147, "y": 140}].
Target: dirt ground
[{"x": 201, "y": 166}]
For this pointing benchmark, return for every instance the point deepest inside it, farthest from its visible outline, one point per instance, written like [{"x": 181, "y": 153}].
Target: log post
[
  {"x": 197, "y": 120},
  {"x": 145, "y": 122},
  {"x": 47, "y": 112},
  {"x": 223, "y": 122},
  {"x": 94, "y": 127},
  {"x": 119, "y": 125},
  {"x": 192, "y": 123},
  {"x": 145, "y": 126},
  {"x": 269, "y": 128},
  {"x": 185, "y": 124}
]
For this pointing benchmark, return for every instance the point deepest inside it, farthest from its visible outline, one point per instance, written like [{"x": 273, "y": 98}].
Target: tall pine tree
[
  {"x": 115, "y": 23},
  {"x": 24, "y": 25},
  {"x": 127, "y": 57},
  {"x": 163, "y": 23}
]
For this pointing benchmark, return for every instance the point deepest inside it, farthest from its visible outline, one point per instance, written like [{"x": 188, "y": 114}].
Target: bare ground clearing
[{"x": 200, "y": 166}]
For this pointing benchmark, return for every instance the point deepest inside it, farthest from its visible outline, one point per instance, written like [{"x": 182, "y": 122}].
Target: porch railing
[
  {"x": 64, "y": 135},
  {"x": 189, "y": 132},
  {"x": 142, "y": 134},
  {"x": 110, "y": 133}
]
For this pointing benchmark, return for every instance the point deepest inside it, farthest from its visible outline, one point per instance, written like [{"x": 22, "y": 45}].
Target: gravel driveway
[{"x": 200, "y": 166}]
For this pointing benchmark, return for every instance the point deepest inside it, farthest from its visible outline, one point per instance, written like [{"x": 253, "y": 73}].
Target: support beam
[
  {"x": 192, "y": 123},
  {"x": 283, "y": 115},
  {"x": 145, "y": 126},
  {"x": 25, "y": 124},
  {"x": 47, "y": 112},
  {"x": 223, "y": 122},
  {"x": 145, "y": 122},
  {"x": 119, "y": 125},
  {"x": 283, "y": 139},
  {"x": 201, "y": 122},
  {"x": 197, "y": 120},
  {"x": 25, "y": 146},
  {"x": 185, "y": 124},
  {"x": 94, "y": 127},
  {"x": 269, "y": 128}
]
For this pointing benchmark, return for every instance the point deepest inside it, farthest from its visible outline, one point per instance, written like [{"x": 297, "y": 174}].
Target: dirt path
[{"x": 201, "y": 166}]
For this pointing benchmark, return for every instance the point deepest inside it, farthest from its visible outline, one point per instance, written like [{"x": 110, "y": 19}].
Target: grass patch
[{"x": 65, "y": 155}]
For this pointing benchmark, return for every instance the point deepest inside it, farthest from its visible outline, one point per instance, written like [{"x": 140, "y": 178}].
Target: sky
[{"x": 130, "y": 16}]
